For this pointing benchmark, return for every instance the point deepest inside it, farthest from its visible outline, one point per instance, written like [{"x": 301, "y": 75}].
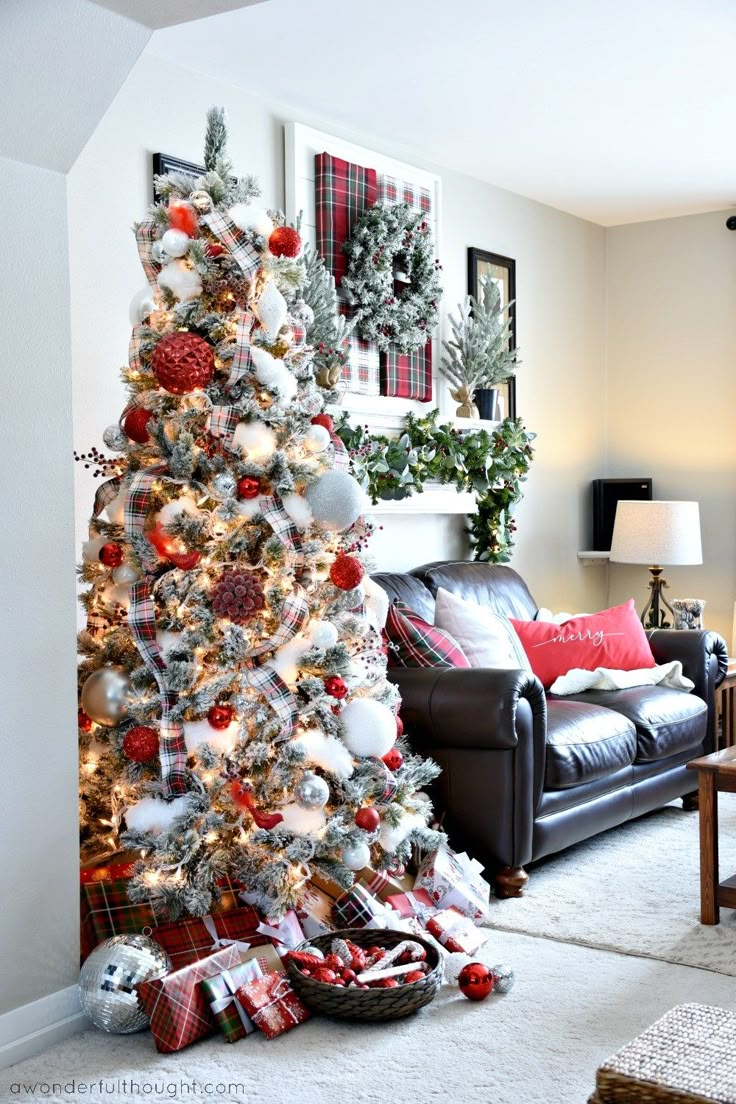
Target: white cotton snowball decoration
[
  {"x": 142, "y": 305},
  {"x": 175, "y": 243},
  {"x": 376, "y": 603},
  {"x": 91, "y": 549},
  {"x": 273, "y": 374},
  {"x": 357, "y": 856},
  {"x": 297, "y": 819},
  {"x": 322, "y": 634},
  {"x": 285, "y": 660},
  {"x": 248, "y": 217},
  {"x": 185, "y": 504},
  {"x": 336, "y": 499},
  {"x": 271, "y": 311},
  {"x": 316, "y": 439},
  {"x": 390, "y": 837},
  {"x": 202, "y": 732},
  {"x": 249, "y": 507},
  {"x": 298, "y": 510},
  {"x": 255, "y": 439},
  {"x": 152, "y": 814},
  {"x": 183, "y": 282},
  {"x": 167, "y": 642},
  {"x": 326, "y": 752},
  {"x": 369, "y": 728},
  {"x": 115, "y": 510}
]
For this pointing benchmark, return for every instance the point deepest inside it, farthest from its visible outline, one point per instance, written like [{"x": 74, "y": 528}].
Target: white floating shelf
[
  {"x": 436, "y": 498},
  {"x": 592, "y": 559}
]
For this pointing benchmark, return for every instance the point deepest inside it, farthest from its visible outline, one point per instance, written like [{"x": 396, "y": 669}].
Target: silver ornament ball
[
  {"x": 109, "y": 977},
  {"x": 503, "y": 978},
  {"x": 224, "y": 486},
  {"x": 336, "y": 500},
  {"x": 114, "y": 438},
  {"x": 105, "y": 696},
  {"x": 312, "y": 792}
]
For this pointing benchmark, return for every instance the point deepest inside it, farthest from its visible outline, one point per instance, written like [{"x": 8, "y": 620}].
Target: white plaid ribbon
[{"x": 236, "y": 240}]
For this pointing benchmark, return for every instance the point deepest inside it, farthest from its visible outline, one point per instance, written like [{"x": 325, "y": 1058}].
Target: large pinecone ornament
[
  {"x": 238, "y": 595},
  {"x": 183, "y": 362}
]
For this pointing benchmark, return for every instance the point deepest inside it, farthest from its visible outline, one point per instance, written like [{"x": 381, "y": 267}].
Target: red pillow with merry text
[{"x": 613, "y": 638}]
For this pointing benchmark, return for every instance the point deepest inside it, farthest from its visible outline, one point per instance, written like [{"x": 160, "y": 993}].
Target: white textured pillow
[
  {"x": 486, "y": 638},
  {"x": 544, "y": 614}
]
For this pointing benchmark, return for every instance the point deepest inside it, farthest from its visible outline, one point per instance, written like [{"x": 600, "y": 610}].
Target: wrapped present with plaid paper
[
  {"x": 198, "y": 936},
  {"x": 357, "y": 908},
  {"x": 272, "y": 1005},
  {"x": 415, "y": 902},
  {"x": 314, "y": 912},
  {"x": 221, "y": 993},
  {"x": 384, "y": 883},
  {"x": 455, "y": 880},
  {"x": 266, "y": 957},
  {"x": 177, "y": 1005},
  {"x": 455, "y": 931},
  {"x": 285, "y": 934},
  {"x": 106, "y": 910}
]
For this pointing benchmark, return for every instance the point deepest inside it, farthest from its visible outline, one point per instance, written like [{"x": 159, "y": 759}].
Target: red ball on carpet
[
  {"x": 182, "y": 216},
  {"x": 336, "y": 687},
  {"x": 135, "y": 425},
  {"x": 393, "y": 759},
  {"x": 324, "y": 420},
  {"x": 220, "y": 716},
  {"x": 140, "y": 744},
  {"x": 476, "y": 981},
  {"x": 182, "y": 362},
  {"x": 346, "y": 572},
  {"x": 248, "y": 488},
  {"x": 368, "y": 818},
  {"x": 111, "y": 554},
  {"x": 285, "y": 242}
]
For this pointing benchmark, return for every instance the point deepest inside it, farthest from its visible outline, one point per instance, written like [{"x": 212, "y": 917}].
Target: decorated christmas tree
[{"x": 235, "y": 716}]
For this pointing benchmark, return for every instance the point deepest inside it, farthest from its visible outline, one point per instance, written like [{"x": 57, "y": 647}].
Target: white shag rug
[{"x": 634, "y": 889}]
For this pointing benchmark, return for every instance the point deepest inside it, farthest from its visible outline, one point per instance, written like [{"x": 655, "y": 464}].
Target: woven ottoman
[{"x": 687, "y": 1057}]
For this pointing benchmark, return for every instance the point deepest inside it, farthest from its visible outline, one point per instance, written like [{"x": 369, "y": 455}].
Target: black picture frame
[
  {"x": 482, "y": 262},
  {"x": 164, "y": 163}
]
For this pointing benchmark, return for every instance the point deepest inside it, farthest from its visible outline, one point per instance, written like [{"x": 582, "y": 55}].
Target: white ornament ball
[
  {"x": 316, "y": 439},
  {"x": 248, "y": 217},
  {"x": 175, "y": 243},
  {"x": 298, "y": 510},
  {"x": 297, "y": 819},
  {"x": 183, "y": 282},
  {"x": 125, "y": 575},
  {"x": 152, "y": 814},
  {"x": 323, "y": 634},
  {"x": 336, "y": 499},
  {"x": 256, "y": 440},
  {"x": 369, "y": 728},
  {"x": 357, "y": 856}
]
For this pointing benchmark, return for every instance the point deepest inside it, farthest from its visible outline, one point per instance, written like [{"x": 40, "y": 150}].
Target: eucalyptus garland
[
  {"x": 393, "y": 278},
  {"x": 494, "y": 465}
]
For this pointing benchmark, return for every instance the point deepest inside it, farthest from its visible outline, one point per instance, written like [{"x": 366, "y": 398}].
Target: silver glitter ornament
[
  {"x": 114, "y": 438},
  {"x": 108, "y": 979},
  {"x": 105, "y": 696},
  {"x": 223, "y": 486},
  {"x": 312, "y": 792},
  {"x": 336, "y": 500},
  {"x": 503, "y": 978}
]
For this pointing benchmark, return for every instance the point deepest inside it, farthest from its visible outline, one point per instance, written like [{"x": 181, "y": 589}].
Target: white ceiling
[{"x": 614, "y": 110}]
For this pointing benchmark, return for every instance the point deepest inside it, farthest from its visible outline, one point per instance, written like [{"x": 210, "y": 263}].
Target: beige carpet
[{"x": 633, "y": 889}]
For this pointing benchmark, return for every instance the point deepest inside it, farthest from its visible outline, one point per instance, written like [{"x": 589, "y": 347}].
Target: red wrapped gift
[
  {"x": 272, "y": 1004},
  {"x": 198, "y": 936},
  {"x": 456, "y": 932},
  {"x": 177, "y": 1005},
  {"x": 415, "y": 902}
]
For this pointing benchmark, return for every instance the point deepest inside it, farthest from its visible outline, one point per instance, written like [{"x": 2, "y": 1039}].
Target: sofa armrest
[{"x": 704, "y": 658}]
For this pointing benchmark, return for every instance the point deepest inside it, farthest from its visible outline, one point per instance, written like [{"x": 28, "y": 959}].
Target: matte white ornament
[
  {"x": 273, "y": 374},
  {"x": 248, "y": 217},
  {"x": 297, "y": 819},
  {"x": 376, "y": 603},
  {"x": 369, "y": 728},
  {"x": 298, "y": 510},
  {"x": 167, "y": 642},
  {"x": 175, "y": 243},
  {"x": 202, "y": 732},
  {"x": 152, "y": 814},
  {"x": 183, "y": 282},
  {"x": 357, "y": 856},
  {"x": 323, "y": 634},
  {"x": 326, "y": 752},
  {"x": 337, "y": 500},
  {"x": 271, "y": 311},
  {"x": 390, "y": 837},
  {"x": 316, "y": 439},
  {"x": 115, "y": 510},
  {"x": 91, "y": 549},
  {"x": 142, "y": 305},
  {"x": 256, "y": 440}
]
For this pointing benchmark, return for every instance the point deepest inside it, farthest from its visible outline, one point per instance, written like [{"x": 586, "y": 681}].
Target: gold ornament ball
[{"x": 105, "y": 696}]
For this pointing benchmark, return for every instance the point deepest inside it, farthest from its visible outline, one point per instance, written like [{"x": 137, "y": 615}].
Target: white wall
[
  {"x": 672, "y": 389},
  {"x": 560, "y": 270}
]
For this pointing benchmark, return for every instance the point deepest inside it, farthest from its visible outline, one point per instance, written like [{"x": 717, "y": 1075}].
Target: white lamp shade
[{"x": 656, "y": 533}]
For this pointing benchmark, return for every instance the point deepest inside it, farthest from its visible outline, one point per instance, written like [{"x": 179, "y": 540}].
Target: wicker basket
[{"x": 367, "y": 1004}]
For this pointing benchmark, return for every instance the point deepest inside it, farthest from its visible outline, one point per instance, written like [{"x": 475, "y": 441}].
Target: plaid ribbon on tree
[
  {"x": 278, "y": 695},
  {"x": 145, "y": 236},
  {"x": 135, "y": 364},
  {"x": 242, "y": 363},
  {"x": 284, "y": 528},
  {"x": 236, "y": 240},
  {"x": 136, "y": 510},
  {"x": 106, "y": 493},
  {"x": 294, "y": 614},
  {"x": 223, "y": 423}
]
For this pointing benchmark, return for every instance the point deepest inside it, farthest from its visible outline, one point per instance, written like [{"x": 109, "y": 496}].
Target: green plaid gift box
[
  {"x": 357, "y": 908},
  {"x": 232, "y": 1019}
]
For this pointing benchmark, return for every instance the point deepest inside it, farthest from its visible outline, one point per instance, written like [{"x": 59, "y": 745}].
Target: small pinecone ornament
[
  {"x": 140, "y": 744},
  {"x": 346, "y": 572},
  {"x": 285, "y": 242},
  {"x": 238, "y": 595},
  {"x": 182, "y": 362}
]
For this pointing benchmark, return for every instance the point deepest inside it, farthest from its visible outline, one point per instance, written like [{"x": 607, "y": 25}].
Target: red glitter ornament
[
  {"x": 248, "y": 488},
  {"x": 111, "y": 555},
  {"x": 83, "y": 721},
  {"x": 221, "y": 716},
  {"x": 324, "y": 420},
  {"x": 285, "y": 242},
  {"x": 336, "y": 686},
  {"x": 182, "y": 216},
  {"x": 182, "y": 362},
  {"x": 476, "y": 981},
  {"x": 140, "y": 744},
  {"x": 238, "y": 595},
  {"x": 368, "y": 818},
  {"x": 393, "y": 759},
  {"x": 346, "y": 572},
  {"x": 135, "y": 425}
]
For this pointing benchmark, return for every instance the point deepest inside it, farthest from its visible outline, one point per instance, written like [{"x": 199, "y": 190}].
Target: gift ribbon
[
  {"x": 252, "y": 973},
  {"x": 219, "y": 943},
  {"x": 288, "y": 933}
]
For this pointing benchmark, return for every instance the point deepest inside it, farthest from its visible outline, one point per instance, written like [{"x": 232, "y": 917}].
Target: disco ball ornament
[
  {"x": 105, "y": 696},
  {"x": 224, "y": 486},
  {"x": 312, "y": 792},
  {"x": 182, "y": 362},
  {"x": 503, "y": 978},
  {"x": 109, "y": 977},
  {"x": 114, "y": 438}
]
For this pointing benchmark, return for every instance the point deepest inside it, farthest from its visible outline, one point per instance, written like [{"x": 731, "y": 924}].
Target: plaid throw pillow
[{"x": 413, "y": 642}]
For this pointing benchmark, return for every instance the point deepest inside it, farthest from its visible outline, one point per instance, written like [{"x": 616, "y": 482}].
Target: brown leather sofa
[{"x": 526, "y": 774}]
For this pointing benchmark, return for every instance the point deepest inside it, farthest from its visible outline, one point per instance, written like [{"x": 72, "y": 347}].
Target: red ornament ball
[
  {"x": 214, "y": 249},
  {"x": 285, "y": 242},
  {"x": 476, "y": 981},
  {"x": 336, "y": 687},
  {"x": 393, "y": 759},
  {"x": 111, "y": 555},
  {"x": 182, "y": 216},
  {"x": 346, "y": 572},
  {"x": 238, "y": 595},
  {"x": 83, "y": 721},
  {"x": 248, "y": 488},
  {"x": 368, "y": 818},
  {"x": 182, "y": 362},
  {"x": 185, "y": 561},
  {"x": 135, "y": 424},
  {"x": 221, "y": 716},
  {"x": 323, "y": 420},
  {"x": 323, "y": 973},
  {"x": 399, "y": 726},
  {"x": 140, "y": 744},
  {"x": 415, "y": 975}
]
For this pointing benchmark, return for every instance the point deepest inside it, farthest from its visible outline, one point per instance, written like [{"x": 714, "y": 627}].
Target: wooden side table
[
  {"x": 726, "y": 709},
  {"x": 716, "y": 772}
]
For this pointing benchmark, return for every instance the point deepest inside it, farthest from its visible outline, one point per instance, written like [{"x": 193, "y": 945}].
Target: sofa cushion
[
  {"x": 413, "y": 642},
  {"x": 493, "y": 586},
  {"x": 485, "y": 637},
  {"x": 412, "y": 592},
  {"x": 585, "y": 742},
  {"x": 667, "y": 721}
]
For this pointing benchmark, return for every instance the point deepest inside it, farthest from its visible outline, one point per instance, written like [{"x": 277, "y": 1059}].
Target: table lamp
[{"x": 658, "y": 534}]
